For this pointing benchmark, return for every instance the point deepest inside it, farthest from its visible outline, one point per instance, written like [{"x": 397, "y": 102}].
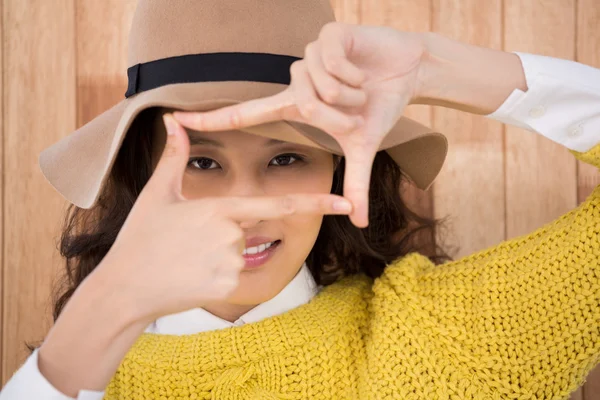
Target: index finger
[
  {"x": 248, "y": 113},
  {"x": 357, "y": 177},
  {"x": 275, "y": 207}
]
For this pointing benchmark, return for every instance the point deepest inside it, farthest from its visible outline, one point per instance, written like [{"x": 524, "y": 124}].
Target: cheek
[
  {"x": 195, "y": 186},
  {"x": 303, "y": 227},
  {"x": 297, "y": 184},
  {"x": 299, "y": 233},
  {"x": 316, "y": 179}
]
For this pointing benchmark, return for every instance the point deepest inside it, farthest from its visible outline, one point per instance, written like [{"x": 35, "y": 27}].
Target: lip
[
  {"x": 256, "y": 260},
  {"x": 256, "y": 240}
]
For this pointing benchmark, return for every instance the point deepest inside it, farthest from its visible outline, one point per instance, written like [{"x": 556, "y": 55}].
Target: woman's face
[{"x": 236, "y": 163}]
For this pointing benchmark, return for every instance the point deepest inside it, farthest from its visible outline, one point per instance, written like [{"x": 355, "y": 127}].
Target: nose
[
  {"x": 249, "y": 224},
  {"x": 246, "y": 185}
]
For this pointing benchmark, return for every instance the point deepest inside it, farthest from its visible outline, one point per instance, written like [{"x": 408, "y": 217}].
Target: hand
[
  {"x": 173, "y": 253},
  {"x": 353, "y": 83}
]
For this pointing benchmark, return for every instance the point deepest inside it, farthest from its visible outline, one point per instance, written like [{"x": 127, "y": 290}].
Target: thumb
[{"x": 166, "y": 180}]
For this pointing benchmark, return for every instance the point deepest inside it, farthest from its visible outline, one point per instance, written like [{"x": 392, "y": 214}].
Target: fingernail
[
  {"x": 169, "y": 124},
  {"x": 342, "y": 205}
]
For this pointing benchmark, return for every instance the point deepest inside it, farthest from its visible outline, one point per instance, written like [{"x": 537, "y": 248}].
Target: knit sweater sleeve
[{"x": 518, "y": 320}]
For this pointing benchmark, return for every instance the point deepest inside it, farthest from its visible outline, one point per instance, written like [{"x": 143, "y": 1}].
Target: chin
[{"x": 258, "y": 285}]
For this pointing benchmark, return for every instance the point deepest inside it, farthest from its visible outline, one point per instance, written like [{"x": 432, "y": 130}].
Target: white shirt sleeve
[
  {"x": 29, "y": 383},
  {"x": 562, "y": 102}
]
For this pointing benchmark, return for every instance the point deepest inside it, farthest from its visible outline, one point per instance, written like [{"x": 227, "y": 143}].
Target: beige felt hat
[{"x": 205, "y": 54}]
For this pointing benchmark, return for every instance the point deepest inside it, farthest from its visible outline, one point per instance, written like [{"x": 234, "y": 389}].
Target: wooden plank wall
[
  {"x": 1, "y": 182},
  {"x": 63, "y": 62},
  {"x": 39, "y": 108}
]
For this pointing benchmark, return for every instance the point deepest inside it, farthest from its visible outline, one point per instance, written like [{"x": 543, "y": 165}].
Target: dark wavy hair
[{"x": 340, "y": 249}]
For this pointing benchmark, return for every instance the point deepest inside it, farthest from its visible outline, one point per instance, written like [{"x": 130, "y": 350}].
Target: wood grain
[
  {"x": 39, "y": 109},
  {"x": 470, "y": 189},
  {"x": 347, "y": 11},
  {"x": 101, "y": 54},
  {"x": 540, "y": 174},
  {"x": 588, "y": 52}
]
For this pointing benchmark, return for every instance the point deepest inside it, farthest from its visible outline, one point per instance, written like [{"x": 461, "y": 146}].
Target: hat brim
[{"x": 78, "y": 165}]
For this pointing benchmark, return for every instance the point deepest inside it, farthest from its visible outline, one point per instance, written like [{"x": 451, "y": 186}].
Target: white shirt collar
[{"x": 300, "y": 290}]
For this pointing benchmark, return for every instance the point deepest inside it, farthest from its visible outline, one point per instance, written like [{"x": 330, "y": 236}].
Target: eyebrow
[{"x": 199, "y": 140}]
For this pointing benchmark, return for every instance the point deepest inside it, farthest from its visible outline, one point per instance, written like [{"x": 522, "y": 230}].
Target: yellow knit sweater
[{"x": 520, "y": 320}]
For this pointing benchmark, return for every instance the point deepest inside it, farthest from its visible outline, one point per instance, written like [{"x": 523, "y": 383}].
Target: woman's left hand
[{"x": 353, "y": 83}]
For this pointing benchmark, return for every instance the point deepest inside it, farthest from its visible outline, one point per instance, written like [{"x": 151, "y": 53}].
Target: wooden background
[{"x": 63, "y": 62}]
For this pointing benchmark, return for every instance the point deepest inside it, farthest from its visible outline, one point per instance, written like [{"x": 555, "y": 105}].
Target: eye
[
  {"x": 283, "y": 160},
  {"x": 203, "y": 163}
]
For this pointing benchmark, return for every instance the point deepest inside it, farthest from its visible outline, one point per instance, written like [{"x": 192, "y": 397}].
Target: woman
[{"x": 215, "y": 235}]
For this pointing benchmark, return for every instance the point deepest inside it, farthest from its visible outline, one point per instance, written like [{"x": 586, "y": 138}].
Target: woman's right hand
[{"x": 174, "y": 253}]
